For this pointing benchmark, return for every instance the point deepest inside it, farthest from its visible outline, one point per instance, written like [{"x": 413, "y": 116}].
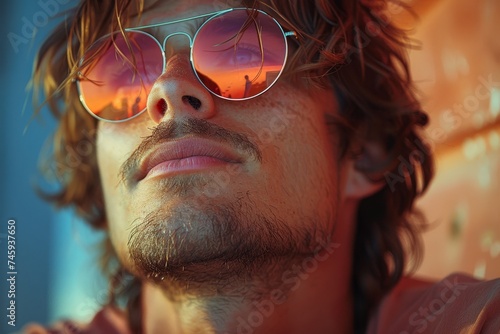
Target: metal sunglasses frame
[{"x": 192, "y": 39}]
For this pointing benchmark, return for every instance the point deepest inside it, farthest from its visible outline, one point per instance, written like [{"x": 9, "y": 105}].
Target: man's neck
[
  {"x": 317, "y": 301},
  {"x": 315, "y": 297}
]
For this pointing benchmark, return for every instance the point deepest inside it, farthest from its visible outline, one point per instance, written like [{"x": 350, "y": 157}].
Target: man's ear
[
  {"x": 358, "y": 185},
  {"x": 360, "y": 182}
]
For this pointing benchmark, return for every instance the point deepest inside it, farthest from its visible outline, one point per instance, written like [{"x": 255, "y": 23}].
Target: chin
[{"x": 209, "y": 249}]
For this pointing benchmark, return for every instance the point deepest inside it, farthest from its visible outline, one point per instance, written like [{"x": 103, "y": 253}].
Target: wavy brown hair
[{"x": 350, "y": 45}]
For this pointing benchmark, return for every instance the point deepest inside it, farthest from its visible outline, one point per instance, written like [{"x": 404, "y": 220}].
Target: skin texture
[{"x": 213, "y": 244}]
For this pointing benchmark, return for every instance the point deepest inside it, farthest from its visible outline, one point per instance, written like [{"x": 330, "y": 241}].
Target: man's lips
[{"x": 184, "y": 155}]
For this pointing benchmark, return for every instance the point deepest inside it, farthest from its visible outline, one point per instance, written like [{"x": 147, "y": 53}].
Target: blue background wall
[{"x": 46, "y": 289}]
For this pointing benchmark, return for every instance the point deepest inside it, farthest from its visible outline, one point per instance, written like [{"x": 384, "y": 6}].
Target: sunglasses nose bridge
[{"x": 176, "y": 45}]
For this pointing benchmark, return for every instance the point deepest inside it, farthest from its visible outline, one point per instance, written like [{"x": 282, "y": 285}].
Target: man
[
  {"x": 248, "y": 86},
  {"x": 269, "y": 214}
]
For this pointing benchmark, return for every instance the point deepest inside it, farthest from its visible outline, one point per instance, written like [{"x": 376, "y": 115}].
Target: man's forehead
[
  {"x": 162, "y": 10},
  {"x": 216, "y": 4}
]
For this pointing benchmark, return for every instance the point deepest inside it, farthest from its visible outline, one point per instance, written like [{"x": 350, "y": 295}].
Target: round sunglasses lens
[
  {"x": 239, "y": 54},
  {"x": 116, "y": 84}
]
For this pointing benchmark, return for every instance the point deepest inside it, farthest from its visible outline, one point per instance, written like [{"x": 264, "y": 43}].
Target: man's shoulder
[
  {"x": 458, "y": 302},
  {"x": 108, "y": 320}
]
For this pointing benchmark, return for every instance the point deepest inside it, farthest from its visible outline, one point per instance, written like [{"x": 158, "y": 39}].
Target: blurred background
[{"x": 457, "y": 70}]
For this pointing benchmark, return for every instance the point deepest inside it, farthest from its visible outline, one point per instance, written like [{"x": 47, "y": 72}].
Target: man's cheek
[{"x": 114, "y": 145}]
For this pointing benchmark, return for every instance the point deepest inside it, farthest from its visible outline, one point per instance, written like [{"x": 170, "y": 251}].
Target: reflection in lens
[
  {"x": 232, "y": 60},
  {"x": 209, "y": 83},
  {"x": 116, "y": 85}
]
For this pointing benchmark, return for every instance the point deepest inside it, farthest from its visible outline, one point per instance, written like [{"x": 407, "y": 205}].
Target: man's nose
[{"x": 178, "y": 93}]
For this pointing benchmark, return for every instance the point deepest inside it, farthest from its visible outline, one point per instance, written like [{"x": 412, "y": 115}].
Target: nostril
[
  {"x": 162, "y": 106},
  {"x": 193, "y": 101}
]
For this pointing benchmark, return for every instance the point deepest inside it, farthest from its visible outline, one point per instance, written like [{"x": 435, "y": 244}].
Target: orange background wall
[{"x": 457, "y": 71}]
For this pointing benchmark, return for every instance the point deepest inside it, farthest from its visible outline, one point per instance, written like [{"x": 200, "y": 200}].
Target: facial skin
[{"x": 224, "y": 234}]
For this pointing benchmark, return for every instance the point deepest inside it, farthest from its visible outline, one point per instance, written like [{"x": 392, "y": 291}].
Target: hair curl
[{"x": 350, "y": 45}]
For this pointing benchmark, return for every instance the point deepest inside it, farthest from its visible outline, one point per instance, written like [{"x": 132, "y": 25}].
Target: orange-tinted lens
[
  {"x": 115, "y": 86},
  {"x": 239, "y": 54}
]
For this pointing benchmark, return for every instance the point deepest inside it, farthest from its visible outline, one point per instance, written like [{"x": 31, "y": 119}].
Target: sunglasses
[{"x": 236, "y": 54}]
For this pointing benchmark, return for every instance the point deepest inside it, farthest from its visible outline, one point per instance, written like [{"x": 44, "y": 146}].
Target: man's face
[{"x": 201, "y": 189}]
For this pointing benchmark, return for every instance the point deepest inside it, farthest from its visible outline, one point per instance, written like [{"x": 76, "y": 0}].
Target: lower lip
[{"x": 185, "y": 165}]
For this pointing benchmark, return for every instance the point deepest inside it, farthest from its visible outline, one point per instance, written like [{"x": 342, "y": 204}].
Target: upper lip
[{"x": 184, "y": 148}]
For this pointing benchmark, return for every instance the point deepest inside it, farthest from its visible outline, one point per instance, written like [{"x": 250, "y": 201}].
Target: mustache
[{"x": 173, "y": 129}]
